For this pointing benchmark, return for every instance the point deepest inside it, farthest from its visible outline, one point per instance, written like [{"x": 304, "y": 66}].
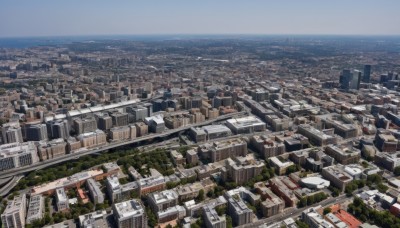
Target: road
[
  {"x": 64, "y": 158},
  {"x": 10, "y": 185},
  {"x": 295, "y": 212}
]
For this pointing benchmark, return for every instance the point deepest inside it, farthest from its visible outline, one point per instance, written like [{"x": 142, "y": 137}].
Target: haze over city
[{"x": 101, "y": 17}]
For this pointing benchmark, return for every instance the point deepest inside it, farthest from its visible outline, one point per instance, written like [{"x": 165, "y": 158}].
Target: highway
[
  {"x": 295, "y": 212},
  {"x": 64, "y": 158},
  {"x": 10, "y": 185}
]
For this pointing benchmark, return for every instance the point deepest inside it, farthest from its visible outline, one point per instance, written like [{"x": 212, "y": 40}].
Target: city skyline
[{"x": 286, "y": 17}]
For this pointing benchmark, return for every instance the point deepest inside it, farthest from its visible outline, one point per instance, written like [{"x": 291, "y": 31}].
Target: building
[
  {"x": 343, "y": 155},
  {"x": 222, "y": 150},
  {"x": 119, "y": 119},
  {"x": 97, "y": 219},
  {"x": 272, "y": 204},
  {"x": 246, "y": 125},
  {"x": 156, "y": 123},
  {"x": 61, "y": 200},
  {"x": 160, "y": 201},
  {"x": 36, "y": 132},
  {"x": 314, "y": 219},
  {"x": 14, "y": 155},
  {"x": 198, "y": 134},
  {"x": 51, "y": 149},
  {"x": 356, "y": 79},
  {"x": 122, "y": 133},
  {"x": 266, "y": 146},
  {"x": 117, "y": 192},
  {"x": 137, "y": 114},
  {"x": 94, "y": 191},
  {"x": 367, "y": 74},
  {"x": 141, "y": 129},
  {"x": 58, "y": 129},
  {"x": 315, "y": 136},
  {"x": 385, "y": 141},
  {"x": 280, "y": 164},
  {"x": 35, "y": 209},
  {"x": 314, "y": 182},
  {"x": 239, "y": 211},
  {"x": 73, "y": 145},
  {"x": 177, "y": 157},
  {"x": 342, "y": 129},
  {"x": 104, "y": 121},
  {"x": 338, "y": 177},
  {"x": 93, "y": 139},
  {"x": 216, "y": 131},
  {"x": 11, "y": 133},
  {"x": 85, "y": 125},
  {"x": 212, "y": 219},
  {"x": 345, "y": 79},
  {"x": 244, "y": 194},
  {"x": 14, "y": 213},
  {"x": 191, "y": 191},
  {"x": 172, "y": 213},
  {"x": 129, "y": 214},
  {"x": 242, "y": 169},
  {"x": 151, "y": 184},
  {"x": 279, "y": 187},
  {"x": 387, "y": 160},
  {"x": 192, "y": 157}
]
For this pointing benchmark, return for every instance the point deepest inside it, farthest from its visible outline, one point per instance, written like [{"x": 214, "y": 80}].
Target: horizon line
[{"x": 201, "y": 34}]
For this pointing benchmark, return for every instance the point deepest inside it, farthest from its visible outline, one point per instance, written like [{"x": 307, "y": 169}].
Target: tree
[
  {"x": 152, "y": 220},
  {"x": 382, "y": 188},
  {"x": 229, "y": 223},
  {"x": 327, "y": 210},
  {"x": 301, "y": 224},
  {"x": 200, "y": 197},
  {"x": 397, "y": 171},
  {"x": 292, "y": 169},
  {"x": 302, "y": 202}
]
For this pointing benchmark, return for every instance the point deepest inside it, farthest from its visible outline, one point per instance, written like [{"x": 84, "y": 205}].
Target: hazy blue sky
[{"x": 101, "y": 17}]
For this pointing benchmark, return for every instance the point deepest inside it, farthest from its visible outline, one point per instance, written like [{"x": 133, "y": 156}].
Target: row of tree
[
  {"x": 366, "y": 214},
  {"x": 311, "y": 199}
]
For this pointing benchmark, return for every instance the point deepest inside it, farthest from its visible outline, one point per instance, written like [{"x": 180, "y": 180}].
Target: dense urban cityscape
[{"x": 268, "y": 131}]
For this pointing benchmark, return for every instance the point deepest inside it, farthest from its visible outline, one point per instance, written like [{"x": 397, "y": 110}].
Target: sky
[{"x": 25, "y": 18}]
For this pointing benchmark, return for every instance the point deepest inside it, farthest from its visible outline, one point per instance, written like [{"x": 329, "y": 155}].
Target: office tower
[
  {"x": 119, "y": 119},
  {"x": 11, "y": 132},
  {"x": 345, "y": 79},
  {"x": 149, "y": 107},
  {"x": 356, "y": 79},
  {"x": 36, "y": 132},
  {"x": 85, "y": 125},
  {"x": 58, "y": 129},
  {"x": 14, "y": 214},
  {"x": 129, "y": 214},
  {"x": 104, "y": 121},
  {"x": 367, "y": 73},
  {"x": 137, "y": 114},
  {"x": 148, "y": 87}
]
